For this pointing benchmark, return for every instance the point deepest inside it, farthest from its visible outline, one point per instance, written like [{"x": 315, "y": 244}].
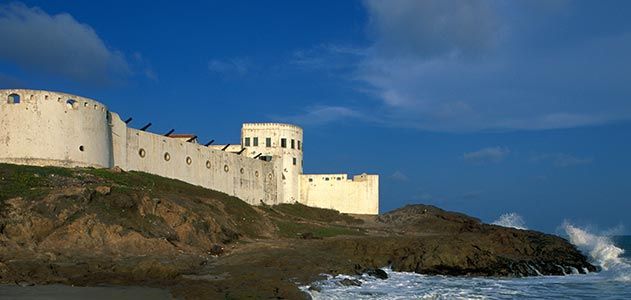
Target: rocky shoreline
[{"x": 91, "y": 227}]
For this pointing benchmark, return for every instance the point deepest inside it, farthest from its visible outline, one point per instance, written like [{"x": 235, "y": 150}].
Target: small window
[
  {"x": 142, "y": 152},
  {"x": 208, "y": 164},
  {"x": 247, "y": 142},
  {"x": 241, "y": 171},
  {"x": 189, "y": 160},
  {"x": 283, "y": 143},
  {"x": 293, "y": 144},
  {"x": 326, "y": 178},
  {"x": 226, "y": 168},
  {"x": 13, "y": 99},
  {"x": 256, "y": 173},
  {"x": 310, "y": 179},
  {"x": 255, "y": 141},
  {"x": 167, "y": 156},
  {"x": 299, "y": 145},
  {"x": 71, "y": 103},
  {"x": 268, "y": 142},
  {"x": 294, "y": 161},
  {"x": 81, "y": 148},
  {"x": 339, "y": 178}
]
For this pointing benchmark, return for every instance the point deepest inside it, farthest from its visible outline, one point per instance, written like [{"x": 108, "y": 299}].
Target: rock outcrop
[{"x": 87, "y": 227}]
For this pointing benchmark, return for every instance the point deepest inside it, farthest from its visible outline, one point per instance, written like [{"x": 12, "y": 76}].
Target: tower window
[
  {"x": 268, "y": 142},
  {"x": 283, "y": 143},
  {"x": 255, "y": 141},
  {"x": 298, "y": 144},
  {"x": 293, "y": 146},
  {"x": 247, "y": 142},
  {"x": 294, "y": 161},
  {"x": 13, "y": 99}
]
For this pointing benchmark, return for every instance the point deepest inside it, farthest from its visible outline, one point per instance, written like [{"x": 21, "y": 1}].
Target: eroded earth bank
[{"x": 92, "y": 227}]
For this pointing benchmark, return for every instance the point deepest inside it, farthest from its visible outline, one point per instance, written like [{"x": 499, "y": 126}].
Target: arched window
[{"x": 13, "y": 99}]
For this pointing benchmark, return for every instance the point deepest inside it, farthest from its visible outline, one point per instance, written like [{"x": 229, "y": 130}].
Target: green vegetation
[
  {"x": 291, "y": 229},
  {"x": 26, "y": 181},
  {"x": 120, "y": 206}
]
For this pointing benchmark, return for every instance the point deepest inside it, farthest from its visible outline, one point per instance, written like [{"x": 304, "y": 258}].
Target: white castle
[{"x": 46, "y": 128}]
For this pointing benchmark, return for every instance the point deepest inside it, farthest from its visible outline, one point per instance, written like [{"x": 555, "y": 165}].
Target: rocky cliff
[{"x": 90, "y": 226}]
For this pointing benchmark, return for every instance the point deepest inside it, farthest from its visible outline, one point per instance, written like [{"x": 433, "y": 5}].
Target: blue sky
[{"x": 484, "y": 107}]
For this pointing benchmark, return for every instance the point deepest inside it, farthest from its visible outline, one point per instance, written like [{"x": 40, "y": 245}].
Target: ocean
[{"x": 611, "y": 253}]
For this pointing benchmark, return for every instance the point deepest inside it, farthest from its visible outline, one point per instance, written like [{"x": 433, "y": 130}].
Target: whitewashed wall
[
  {"x": 336, "y": 191},
  {"x": 43, "y": 129},
  {"x": 250, "y": 179}
]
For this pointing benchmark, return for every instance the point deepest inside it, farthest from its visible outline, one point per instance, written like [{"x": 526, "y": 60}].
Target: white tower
[{"x": 282, "y": 145}]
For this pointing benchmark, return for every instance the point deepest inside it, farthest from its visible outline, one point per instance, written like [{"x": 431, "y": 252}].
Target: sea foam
[{"x": 601, "y": 251}]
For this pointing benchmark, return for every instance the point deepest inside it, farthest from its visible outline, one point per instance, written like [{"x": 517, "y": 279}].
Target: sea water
[{"x": 613, "y": 282}]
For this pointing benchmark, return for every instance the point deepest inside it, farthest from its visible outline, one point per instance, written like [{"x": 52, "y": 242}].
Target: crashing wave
[
  {"x": 512, "y": 220},
  {"x": 601, "y": 250}
]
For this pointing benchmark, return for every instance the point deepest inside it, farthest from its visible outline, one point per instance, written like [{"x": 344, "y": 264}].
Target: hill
[{"x": 98, "y": 226}]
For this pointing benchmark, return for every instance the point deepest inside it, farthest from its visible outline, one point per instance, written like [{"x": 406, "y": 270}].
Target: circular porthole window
[
  {"x": 142, "y": 152},
  {"x": 242, "y": 171},
  {"x": 81, "y": 148},
  {"x": 189, "y": 160},
  {"x": 256, "y": 173},
  {"x": 226, "y": 168},
  {"x": 208, "y": 164},
  {"x": 167, "y": 156},
  {"x": 270, "y": 176}
]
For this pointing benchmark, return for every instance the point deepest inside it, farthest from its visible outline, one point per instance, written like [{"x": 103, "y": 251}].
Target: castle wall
[
  {"x": 336, "y": 191},
  {"x": 48, "y": 128},
  {"x": 251, "y": 180}
]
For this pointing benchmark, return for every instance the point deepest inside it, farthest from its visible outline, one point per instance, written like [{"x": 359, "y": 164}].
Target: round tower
[
  {"x": 281, "y": 144},
  {"x": 49, "y": 128}
]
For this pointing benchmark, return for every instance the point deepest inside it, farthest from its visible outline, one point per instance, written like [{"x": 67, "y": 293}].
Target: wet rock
[
  {"x": 350, "y": 282},
  {"x": 377, "y": 273}
]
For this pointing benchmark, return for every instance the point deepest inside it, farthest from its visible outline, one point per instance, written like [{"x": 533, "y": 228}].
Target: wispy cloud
[
  {"x": 320, "y": 115},
  {"x": 399, "y": 176},
  {"x": 145, "y": 66},
  {"x": 58, "y": 45},
  {"x": 487, "y": 155},
  {"x": 561, "y": 160},
  {"x": 232, "y": 66},
  {"x": 461, "y": 66}
]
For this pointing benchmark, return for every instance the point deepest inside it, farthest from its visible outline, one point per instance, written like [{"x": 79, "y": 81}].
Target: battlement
[
  {"x": 67, "y": 101},
  {"x": 271, "y": 125}
]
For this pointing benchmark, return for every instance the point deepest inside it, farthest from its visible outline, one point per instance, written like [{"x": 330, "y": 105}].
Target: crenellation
[{"x": 265, "y": 167}]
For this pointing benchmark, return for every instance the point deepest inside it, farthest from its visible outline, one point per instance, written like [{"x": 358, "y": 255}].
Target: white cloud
[
  {"x": 487, "y": 155},
  {"x": 458, "y": 66},
  {"x": 57, "y": 45}
]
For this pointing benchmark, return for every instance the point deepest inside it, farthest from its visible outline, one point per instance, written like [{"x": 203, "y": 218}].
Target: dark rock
[
  {"x": 216, "y": 250},
  {"x": 377, "y": 273}
]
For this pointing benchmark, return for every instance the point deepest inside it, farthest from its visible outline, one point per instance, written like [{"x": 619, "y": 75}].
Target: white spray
[
  {"x": 511, "y": 220},
  {"x": 601, "y": 251}
]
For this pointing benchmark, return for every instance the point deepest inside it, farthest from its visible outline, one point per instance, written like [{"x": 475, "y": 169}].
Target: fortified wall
[{"x": 56, "y": 129}]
